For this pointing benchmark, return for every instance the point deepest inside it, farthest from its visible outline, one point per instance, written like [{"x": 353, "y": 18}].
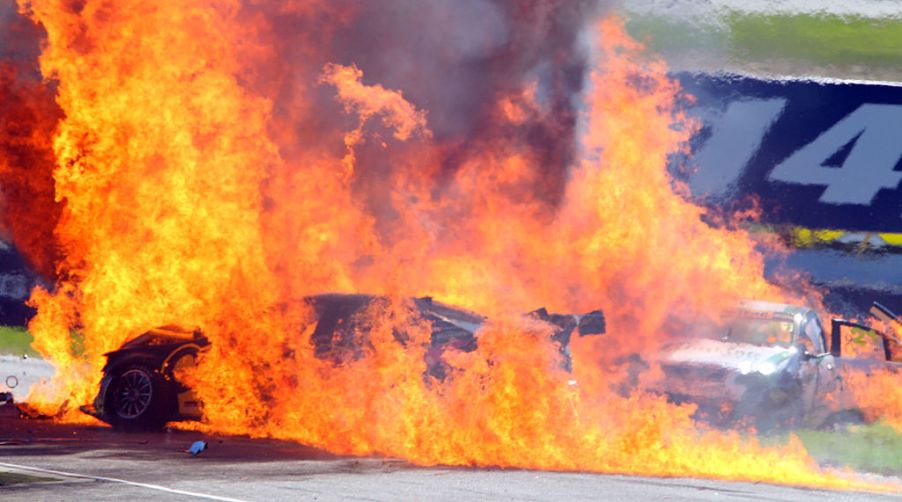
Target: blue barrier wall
[{"x": 817, "y": 154}]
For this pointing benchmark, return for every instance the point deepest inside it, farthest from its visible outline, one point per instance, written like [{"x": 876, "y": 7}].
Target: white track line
[{"x": 123, "y": 481}]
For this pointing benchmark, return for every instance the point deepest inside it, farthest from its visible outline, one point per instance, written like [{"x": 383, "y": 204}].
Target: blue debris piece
[{"x": 196, "y": 448}]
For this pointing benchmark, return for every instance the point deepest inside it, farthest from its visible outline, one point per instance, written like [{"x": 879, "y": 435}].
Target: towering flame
[{"x": 213, "y": 165}]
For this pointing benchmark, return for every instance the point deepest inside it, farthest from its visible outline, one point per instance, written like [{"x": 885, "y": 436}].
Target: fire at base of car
[
  {"x": 772, "y": 366},
  {"x": 140, "y": 390}
]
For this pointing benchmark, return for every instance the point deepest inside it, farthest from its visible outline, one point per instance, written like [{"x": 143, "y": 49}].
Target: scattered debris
[
  {"x": 196, "y": 448},
  {"x": 26, "y": 411}
]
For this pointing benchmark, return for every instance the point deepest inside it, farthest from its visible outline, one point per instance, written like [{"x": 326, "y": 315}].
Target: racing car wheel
[{"x": 138, "y": 398}]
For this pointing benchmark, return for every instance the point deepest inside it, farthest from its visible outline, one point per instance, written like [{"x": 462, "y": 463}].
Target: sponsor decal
[{"x": 739, "y": 357}]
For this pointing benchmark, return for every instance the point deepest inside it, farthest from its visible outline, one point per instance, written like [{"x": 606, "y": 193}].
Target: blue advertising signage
[
  {"x": 817, "y": 154},
  {"x": 824, "y": 161}
]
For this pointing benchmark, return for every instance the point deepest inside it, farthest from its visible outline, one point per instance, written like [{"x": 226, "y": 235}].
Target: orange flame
[
  {"x": 877, "y": 395},
  {"x": 187, "y": 201},
  {"x": 26, "y": 160}
]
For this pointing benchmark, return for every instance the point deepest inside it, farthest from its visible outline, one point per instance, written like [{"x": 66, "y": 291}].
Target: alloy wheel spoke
[{"x": 134, "y": 394}]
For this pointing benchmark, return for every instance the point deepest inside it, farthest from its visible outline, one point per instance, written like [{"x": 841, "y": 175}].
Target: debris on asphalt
[
  {"x": 28, "y": 412},
  {"x": 196, "y": 448}
]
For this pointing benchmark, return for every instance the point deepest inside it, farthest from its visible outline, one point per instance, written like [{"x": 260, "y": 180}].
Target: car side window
[{"x": 862, "y": 343}]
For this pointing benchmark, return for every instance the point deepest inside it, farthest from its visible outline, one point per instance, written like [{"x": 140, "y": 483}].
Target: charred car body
[
  {"x": 139, "y": 389},
  {"x": 773, "y": 366}
]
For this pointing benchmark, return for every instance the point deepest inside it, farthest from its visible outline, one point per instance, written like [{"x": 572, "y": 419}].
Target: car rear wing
[{"x": 590, "y": 323}]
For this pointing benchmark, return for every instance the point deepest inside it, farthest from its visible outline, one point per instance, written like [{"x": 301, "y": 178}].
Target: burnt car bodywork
[
  {"x": 774, "y": 366},
  {"x": 139, "y": 389}
]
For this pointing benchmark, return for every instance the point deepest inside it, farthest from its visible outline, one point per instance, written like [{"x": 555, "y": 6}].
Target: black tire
[{"x": 138, "y": 398}]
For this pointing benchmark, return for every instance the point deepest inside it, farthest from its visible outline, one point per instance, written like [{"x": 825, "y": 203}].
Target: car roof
[{"x": 774, "y": 309}]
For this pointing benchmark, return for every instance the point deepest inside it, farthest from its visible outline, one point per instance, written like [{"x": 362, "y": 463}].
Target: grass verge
[
  {"x": 823, "y": 39},
  {"x": 15, "y": 478},
  {"x": 16, "y": 340},
  {"x": 875, "y": 448}
]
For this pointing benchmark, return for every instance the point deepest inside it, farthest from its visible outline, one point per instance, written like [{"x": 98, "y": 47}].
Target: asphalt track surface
[
  {"x": 93, "y": 462},
  {"x": 96, "y": 463}
]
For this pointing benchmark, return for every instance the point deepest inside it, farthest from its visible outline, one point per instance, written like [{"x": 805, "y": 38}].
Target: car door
[{"x": 821, "y": 382}]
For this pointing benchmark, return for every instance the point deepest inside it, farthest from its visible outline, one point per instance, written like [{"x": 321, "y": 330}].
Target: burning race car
[
  {"x": 771, "y": 365},
  {"x": 139, "y": 389}
]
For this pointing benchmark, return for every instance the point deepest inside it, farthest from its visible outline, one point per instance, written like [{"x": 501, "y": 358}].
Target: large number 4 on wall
[{"x": 854, "y": 159}]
